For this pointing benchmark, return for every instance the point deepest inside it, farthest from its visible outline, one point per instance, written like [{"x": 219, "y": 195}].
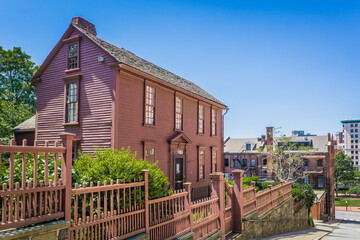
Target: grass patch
[{"x": 351, "y": 202}]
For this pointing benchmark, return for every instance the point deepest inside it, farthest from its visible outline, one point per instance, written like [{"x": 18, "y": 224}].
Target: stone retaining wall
[
  {"x": 55, "y": 230},
  {"x": 279, "y": 220}
]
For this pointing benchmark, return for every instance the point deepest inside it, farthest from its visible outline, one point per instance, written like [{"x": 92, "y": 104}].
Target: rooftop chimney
[{"x": 83, "y": 24}]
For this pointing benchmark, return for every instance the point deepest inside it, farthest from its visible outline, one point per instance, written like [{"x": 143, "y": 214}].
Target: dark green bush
[
  {"x": 308, "y": 193},
  {"x": 110, "y": 164}
]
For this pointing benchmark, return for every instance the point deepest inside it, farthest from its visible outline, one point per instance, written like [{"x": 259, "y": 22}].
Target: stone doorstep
[{"x": 34, "y": 230}]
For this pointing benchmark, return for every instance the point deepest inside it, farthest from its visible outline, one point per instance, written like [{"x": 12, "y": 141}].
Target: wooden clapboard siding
[{"x": 94, "y": 100}]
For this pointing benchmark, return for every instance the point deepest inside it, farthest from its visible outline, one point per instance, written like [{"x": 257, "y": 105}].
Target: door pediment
[{"x": 180, "y": 138}]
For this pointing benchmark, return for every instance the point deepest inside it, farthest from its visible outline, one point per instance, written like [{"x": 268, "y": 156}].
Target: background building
[{"x": 350, "y": 135}]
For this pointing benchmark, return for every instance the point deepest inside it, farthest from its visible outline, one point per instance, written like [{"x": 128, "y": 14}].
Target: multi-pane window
[
  {"x": 71, "y": 102},
  {"x": 201, "y": 164},
  {"x": 213, "y": 122},
  {"x": 201, "y": 119},
  {"x": 248, "y": 147},
  {"x": 245, "y": 162},
  {"x": 150, "y": 105},
  {"x": 319, "y": 162},
  {"x": 236, "y": 163},
  {"x": 253, "y": 162},
  {"x": 306, "y": 163},
  {"x": 214, "y": 161},
  {"x": 73, "y": 56},
  {"x": 226, "y": 162},
  {"x": 178, "y": 113},
  {"x": 150, "y": 154}
]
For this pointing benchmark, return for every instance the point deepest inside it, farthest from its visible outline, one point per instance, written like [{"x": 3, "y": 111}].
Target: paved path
[
  {"x": 319, "y": 231},
  {"x": 349, "y": 227}
]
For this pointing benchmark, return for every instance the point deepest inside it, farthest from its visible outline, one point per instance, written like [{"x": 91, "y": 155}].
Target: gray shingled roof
[
  {"x": 237, "y": 145},
  {"x": 27, "y": 125},
  {"x": 130, "y": 59}
]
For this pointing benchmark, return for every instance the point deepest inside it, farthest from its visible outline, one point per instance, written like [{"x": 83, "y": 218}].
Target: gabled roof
[
  {"x": 125, "y": 57},
  {"x": 26, "y": 126}
]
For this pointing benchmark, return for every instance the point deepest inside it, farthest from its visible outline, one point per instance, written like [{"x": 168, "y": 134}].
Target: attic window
[
  {"x": 248, "y": 147},
  {"x": 73, "y": 60}
]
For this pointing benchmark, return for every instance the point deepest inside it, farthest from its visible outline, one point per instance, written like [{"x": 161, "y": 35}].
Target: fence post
[
  {"x": 147, "y": 213},
  {"x": 66, "y": 173},
  {"x": 254, "y": 192},
  {"x": 218, "y": 185},
  {"x": 271, "y": 197},
  {"x": 237, "y": 208},
  {"x": 187, "y": 187}
]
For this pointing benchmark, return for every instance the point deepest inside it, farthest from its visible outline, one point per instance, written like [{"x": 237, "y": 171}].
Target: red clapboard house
[{"x": 109, "y": 97}]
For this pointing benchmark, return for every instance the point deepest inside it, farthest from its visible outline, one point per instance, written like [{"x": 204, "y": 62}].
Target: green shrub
[
  {"x": 110, "y": 164},
  {"x": 304, "y": 191}
]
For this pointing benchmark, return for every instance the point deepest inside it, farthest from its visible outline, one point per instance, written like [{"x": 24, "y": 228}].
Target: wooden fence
[
  {"x": 42, "y": 191},
  {"x": 264, "y": 200}
]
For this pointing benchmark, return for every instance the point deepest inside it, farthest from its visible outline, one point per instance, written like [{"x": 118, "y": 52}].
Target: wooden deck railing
[{"x": 42, "y": 191}]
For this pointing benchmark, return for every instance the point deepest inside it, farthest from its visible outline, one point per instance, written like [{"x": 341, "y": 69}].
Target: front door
[{"x": 179, "y": 172}]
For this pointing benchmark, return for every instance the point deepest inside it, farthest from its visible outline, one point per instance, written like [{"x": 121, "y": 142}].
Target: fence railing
[
  {"x": 31, "y": 191},
  {"x": 37, "y": 187},
  {"x": 264, "y": 200}
]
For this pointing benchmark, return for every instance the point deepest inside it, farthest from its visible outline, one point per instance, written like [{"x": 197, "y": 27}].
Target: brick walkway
[{"x": 317, "y": 232}]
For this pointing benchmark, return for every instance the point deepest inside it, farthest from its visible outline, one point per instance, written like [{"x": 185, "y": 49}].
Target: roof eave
[{"x": 166, "y": 84}]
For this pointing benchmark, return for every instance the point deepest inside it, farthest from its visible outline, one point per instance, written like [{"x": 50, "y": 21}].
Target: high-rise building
[{"x": 351, "y": 133}]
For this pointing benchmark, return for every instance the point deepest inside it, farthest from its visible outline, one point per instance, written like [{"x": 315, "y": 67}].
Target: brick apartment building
[
  {"x": 245, "y": 154},
  {"x": 109, "y": 97}
]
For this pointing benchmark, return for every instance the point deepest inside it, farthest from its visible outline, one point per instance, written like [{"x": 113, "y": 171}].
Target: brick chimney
[
  {"x": 269, "y": 148},
  {"x": 83, "y": 24},
  {"x": 269, "y": 136}
]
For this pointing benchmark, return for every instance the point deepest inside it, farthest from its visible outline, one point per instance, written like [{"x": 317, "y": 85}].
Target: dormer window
[
  {"x": 248, "y": 147},
  {"x": 73, "y": 60}
]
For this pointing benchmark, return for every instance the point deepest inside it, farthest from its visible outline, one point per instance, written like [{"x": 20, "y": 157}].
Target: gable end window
[
  {"x": 178, "y": 113},
  {"x": 149, "y": 105},
  {"x": 201, "y": 164},
  {"x": 71, "y": 113},
  {"x": 213, "y": 122},
  {"x": 201, "y": 119},
  {"x": 73, "y": 56}
]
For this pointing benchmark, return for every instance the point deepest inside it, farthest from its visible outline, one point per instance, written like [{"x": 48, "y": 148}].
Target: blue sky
[{"x": 289, "y": 64}]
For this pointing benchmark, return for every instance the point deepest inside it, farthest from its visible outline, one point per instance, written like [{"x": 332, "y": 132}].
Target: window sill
[
  {"x": 72, "y": 70},
  {"x": 149, "y": 125},
  {"x": 201, "y": 180},
  {"x": 201, "y": 134},
  {"x": 178, "y": 130},
  {"x": 71, "y": 124}
]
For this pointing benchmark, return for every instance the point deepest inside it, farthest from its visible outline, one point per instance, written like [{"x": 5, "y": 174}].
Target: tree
[
  {"x": 16, "y": 70},
  {"x": 287, "y": 159},
  {"x": 17, "y": 97},
  {"x": 11, "y": 115},
  {"x": 344, "y": 170}
]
